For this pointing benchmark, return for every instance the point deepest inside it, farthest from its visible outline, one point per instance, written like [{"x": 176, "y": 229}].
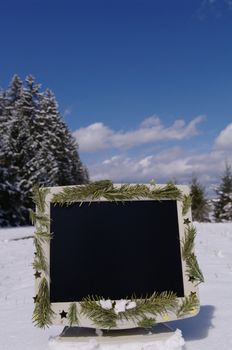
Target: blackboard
[{"x": 114, "y": 250}]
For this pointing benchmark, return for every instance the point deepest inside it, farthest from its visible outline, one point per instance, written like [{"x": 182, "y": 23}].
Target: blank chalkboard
[{"x": 114, "y": 250}]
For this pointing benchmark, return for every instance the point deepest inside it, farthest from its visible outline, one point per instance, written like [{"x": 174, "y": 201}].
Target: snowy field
[{"x": 211, "y": 329}]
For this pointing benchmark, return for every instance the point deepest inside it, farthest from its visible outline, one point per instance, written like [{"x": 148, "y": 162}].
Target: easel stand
[{"x": 159, "y": 337}]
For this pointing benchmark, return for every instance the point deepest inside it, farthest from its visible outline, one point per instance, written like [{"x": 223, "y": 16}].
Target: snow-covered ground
[{"x": 211, "y": 329}]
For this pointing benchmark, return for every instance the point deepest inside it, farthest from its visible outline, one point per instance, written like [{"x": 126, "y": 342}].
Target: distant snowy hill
[{"x": 210, "y": 330}]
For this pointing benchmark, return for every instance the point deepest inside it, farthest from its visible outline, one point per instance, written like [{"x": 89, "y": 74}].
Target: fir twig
[
  {"x": 72, "y": 314},
  {"x": 40, "y": 262},
  {"x": 170, "y": 191},
  {"x": 188, "y": 304},
  {"x": 40, "y": 218},
  {"x": 147, "y": 322},
  {"x": 187, "y": 201},
  {"x": 43, "y": 220},
  {"x": 158, "y": 303},
  {"x": 102, "y": 318},
  {"x": 193, "y": 269},
  {"x": 188, "y": 241},
  {"x": 32, "y": 216},
  {"x": 43, "y": 236},
  {"x": 42, "y": 315},
  {"x": 106, "y": 189},
  {"x": 38, "y": 196}
]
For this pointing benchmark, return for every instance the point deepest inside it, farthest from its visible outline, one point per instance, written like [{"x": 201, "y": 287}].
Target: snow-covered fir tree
[
  {"x": 12, "y": 210},
  {"x": 200, "y": 205},
  {"x": 62, "y": 146},
  {"x": 36, "y": 147},
  {"x": 223, "y": 202}
]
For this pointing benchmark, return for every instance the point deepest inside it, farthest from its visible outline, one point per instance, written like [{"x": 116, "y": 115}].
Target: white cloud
[
  {"x": 173, "y": 163},
  {"x": 165, "y": 165},
  {"x": 98, "y": 136},
  {"x": 224, "y": 139},
  {"x": 94, "y": 137},
  {"x": 146, "y": 162},
  {"x": 150, "y": 122}
]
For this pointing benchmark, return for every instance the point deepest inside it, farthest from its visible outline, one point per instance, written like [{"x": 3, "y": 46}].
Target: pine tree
[
  {"x": 223, "y": 202},
  {"x": 22, "y": 136},
  {"x": 36, "y": 147},
  {"x": 11, "y": 208},
  {"x": 62, "y": 146},
  {"x": 200, "y": 206}
]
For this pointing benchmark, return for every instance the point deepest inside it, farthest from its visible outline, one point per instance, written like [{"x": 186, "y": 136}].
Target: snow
[
  {"x": 174, "y": 342},
  {"x": 106, "y": 304},
  {"x": 211, "y": 329},
  {"x": 120, "y": 306}
]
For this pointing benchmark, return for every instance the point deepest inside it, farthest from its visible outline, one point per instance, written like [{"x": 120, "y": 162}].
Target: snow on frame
[{"x": 210, "y": 330}]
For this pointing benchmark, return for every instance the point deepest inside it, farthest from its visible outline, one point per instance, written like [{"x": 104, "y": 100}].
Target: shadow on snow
[{"x": 196, "y": 327}]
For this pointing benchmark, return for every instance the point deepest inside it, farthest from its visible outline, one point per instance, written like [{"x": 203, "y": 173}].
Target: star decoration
[
  {"x": 187, "y": 221},
  {"x": 35, "y": 298},
  {"x": 166, "y": 317},
  {"x": 191, "y": 279},
  {"x": 193, "y": 311},
  {"x": 63, "y": 314},
  {"x": 37, "y": 274}
]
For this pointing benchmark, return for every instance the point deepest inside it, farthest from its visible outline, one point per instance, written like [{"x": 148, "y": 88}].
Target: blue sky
[{"x": 125, "y": 73}]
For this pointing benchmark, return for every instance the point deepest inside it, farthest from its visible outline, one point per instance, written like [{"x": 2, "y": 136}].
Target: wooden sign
[{"x": 115, "y": 256}]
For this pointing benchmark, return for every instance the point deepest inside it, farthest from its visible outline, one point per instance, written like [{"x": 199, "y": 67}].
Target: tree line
[
  {"x": 36, "y": 147},
  {"x": 219, "y": 208}
]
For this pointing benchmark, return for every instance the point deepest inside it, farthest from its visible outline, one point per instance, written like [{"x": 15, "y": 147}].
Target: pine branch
[
  {"x": 105, "y": 189},
  {"x": 42, "y": 222},
  {"x": 43, "y": 236},
  {"x": 41, "y": 219},
  {"x": 102, "y": 318},
  {"x": 72, "y": 314},
  {"x": 170, "y": 191},
  {"x": 187, "y": 201},
  {"x": 188, "y": 241},
  {"x": 38, "y": 196},
  {"x": 40, "y": 262},
  {"x": 32, "y": 216},
  {"x": 193, "y": 269},
  {"x": 42, "y": 315},
  {"x": 188, "y": 305},
  {"x": 158, "y": 303},
  {"x": 147, "y": 322}
]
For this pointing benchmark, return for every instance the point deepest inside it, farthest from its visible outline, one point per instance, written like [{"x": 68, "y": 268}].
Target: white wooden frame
[{"x": 189, "y": 287}]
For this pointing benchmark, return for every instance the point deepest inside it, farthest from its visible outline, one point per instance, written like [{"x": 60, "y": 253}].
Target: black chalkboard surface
[{"x": 114, "y": 250}]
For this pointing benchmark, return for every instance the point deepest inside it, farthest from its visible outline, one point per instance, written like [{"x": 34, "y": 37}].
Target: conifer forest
[{"x": 36, "y": 147}]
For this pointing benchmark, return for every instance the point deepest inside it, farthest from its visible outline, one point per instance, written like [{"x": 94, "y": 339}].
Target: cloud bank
[
  {"x": 172, "y": 164},
  {"x": 125, "y": 163},
  {"x": 224, "y": 139},
  {"x": 98, "y": 136}
]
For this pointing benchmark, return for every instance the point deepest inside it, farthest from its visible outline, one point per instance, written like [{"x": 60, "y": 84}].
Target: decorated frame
[{"x": 93, "y": 311}]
